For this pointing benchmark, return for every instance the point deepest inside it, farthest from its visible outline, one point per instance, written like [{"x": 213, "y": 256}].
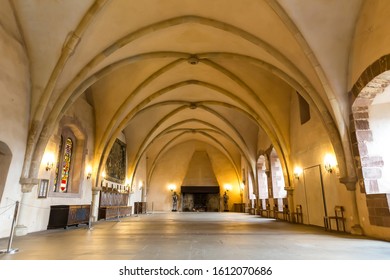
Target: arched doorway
[{"x": 370, "y": 138}]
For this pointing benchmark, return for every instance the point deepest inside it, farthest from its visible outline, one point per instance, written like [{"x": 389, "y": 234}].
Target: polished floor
[{"x": 194, "y": 236}]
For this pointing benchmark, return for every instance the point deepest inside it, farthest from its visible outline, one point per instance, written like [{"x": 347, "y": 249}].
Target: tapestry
[{"x": 116, "y": 163}]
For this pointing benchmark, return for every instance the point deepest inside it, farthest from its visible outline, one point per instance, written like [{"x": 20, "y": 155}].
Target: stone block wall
[
  {"x": 378, "y": 209},
  {"x": 369, "y": 167}
]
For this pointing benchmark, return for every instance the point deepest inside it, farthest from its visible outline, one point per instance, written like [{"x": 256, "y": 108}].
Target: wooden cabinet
[
  {"x": 62, "y": 216},
  {"x": 139, "y": 207},
  {"x": 239, "y": 207}
]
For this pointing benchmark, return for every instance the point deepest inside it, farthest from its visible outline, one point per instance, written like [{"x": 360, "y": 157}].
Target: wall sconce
[
  {"x": 49, "y": 166},
  {"x": 172, "y": 187},
  {"x": 228, "y": 187},
  {"x": 141, "y": 184},
  {"x": 88, "y": 170},
  {"x": 297, "y": 172},
  {"x": 242, "y": 187},
  {"x": 127, "y": 183},
  {"x": 103, "y": 176},
  {"x": 49, "y": 160},
  {"x": 330, "y": 163}
]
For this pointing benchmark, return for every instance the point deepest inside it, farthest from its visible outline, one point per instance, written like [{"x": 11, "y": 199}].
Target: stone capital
[
  {"x": 27, "y": 184},
  {"x": 289, "y": 189},
  {"x": 96, "y": 189},
  {"x": 349, "y": 182}
]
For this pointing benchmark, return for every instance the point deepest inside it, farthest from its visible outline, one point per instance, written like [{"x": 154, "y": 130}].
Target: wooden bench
[
  {"x": 338, "y": 218},
  {"x": 109, "y": 212}
]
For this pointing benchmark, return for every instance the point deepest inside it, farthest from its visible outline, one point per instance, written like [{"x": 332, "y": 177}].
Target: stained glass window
[
  {"x": 61, "y": 181},
  {"x": 66, "y": 161},
  {"x": 55, "y": 185}
]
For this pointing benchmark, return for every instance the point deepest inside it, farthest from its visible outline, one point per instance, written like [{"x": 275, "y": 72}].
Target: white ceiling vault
[{"x": 168, "y": 71}]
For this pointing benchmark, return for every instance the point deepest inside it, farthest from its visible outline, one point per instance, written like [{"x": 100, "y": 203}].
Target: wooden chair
[
  {"x": 298, "y": 216},
  {"x": 286, "y": 213},
  {"x": 338, "y": 218}
]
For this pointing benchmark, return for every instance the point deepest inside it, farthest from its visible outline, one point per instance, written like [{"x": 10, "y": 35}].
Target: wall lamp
[
  {"x": 88, "y": 170},
  {"x": 103, "y": 177},
  {"x": 172, "y": 187},
  {"x": 127, "y": 185},
  {"x": 330, "y": 163},
  {"x": 297, "y": 172},
  {"x": 242, "y": 187},
  {"x": 228, "y": 187},
  {"x": 49, "y": 159},
  {"x": 49, "y": 166}
]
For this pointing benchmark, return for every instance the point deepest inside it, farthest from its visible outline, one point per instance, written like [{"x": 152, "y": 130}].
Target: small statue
[
  {"x": 225, "y": 201},
  {"x": 174, "y": 201}
]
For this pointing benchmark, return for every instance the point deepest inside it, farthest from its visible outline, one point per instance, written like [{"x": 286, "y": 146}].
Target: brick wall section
[
  {"x": 369, "y": 168},
  {"x": 375, "y": 69},
  {"x": 378, "y": 209}
]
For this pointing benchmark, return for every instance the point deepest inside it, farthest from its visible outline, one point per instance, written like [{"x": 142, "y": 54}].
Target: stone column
[
  {"x": 290, "y": 201},
  {"x": 27, "y": 185},
  {"x": 351, "y": 187},
  {"x": 95, "y": 204}
]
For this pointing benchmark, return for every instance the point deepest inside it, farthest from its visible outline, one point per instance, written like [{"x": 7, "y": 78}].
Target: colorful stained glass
[
  {"x": 66, "y": 165},
  {"x": 55, "y": 184}
]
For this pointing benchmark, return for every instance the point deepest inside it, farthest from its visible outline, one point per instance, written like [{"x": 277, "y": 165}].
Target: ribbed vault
[{"x": 167, "y": 73}]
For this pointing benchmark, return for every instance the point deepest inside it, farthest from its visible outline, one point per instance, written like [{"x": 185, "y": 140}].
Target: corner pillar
[
  {"x": 350, "y": 184},
  {"x": 95, "y": 204},
  {"x": 27, "y": 185}
]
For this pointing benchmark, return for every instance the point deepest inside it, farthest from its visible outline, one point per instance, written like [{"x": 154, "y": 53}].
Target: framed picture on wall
[
  {"x": 116, "y": 163},
  {"x": 42, "y": 188}
]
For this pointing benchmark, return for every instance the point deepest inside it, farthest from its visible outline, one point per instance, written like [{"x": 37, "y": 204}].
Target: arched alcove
[
  {"x": 69, "y": 129},
  {"x": 5, "y": 162}
]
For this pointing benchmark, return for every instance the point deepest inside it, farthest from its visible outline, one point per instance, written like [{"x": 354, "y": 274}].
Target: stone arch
[
  {"x": 277, "y": 180},
  {"x": 80, "y": 80},
  {"x": 262, "y": 170},
  {"x": 5, "y": 162},
  {"x": 278, "y": 184},
  {"x": 370, "y": 166}
]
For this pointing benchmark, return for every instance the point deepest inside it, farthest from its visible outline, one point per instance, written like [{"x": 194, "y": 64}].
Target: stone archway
[{"x": 370, "y": 165}]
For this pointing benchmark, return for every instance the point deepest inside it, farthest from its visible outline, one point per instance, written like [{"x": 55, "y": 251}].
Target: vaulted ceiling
[{"x": 165, "y": 72}]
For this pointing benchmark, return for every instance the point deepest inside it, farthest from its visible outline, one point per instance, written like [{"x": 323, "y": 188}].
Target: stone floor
[{"x": 194, "y": 236}]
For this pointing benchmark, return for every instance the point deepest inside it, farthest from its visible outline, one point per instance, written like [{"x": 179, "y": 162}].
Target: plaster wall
[
  {"x": 371, "y": 39},
  {"x": 309, "y": 145},
  {"x": 37, "y": 210},
  {"x": 139, "y": 186},
  {"x": 14, "y": 112},
  {"x": 172, "y": 169},
  {"x": 263, "y": 141}
]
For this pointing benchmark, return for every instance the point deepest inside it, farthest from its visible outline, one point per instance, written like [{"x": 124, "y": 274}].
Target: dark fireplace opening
[{"x": 200, "y": 199}]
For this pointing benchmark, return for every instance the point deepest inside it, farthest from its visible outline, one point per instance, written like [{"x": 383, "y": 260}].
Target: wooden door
[{"x": 315, "y": 198}]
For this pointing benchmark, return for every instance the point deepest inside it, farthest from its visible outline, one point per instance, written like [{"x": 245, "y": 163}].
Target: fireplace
[{"x": 200, "y": 198}]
